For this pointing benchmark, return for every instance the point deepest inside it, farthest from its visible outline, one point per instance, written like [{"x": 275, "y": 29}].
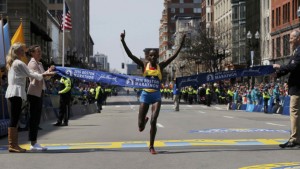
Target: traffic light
[{"x": 123, "y": 65}]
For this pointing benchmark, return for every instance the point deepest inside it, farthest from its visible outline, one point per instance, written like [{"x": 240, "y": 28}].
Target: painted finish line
[
  {"x": 287, "y": 165},
  {"x": 159, "y": 143},
  {"x": 225, "y": 130}
]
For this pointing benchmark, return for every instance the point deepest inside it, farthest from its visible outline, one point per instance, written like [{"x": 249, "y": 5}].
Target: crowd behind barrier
[
  {"x": 239, "y": 96},
  {"x": 283, "y": 109}
]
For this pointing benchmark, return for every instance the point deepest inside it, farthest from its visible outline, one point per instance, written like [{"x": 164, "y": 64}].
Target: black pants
[
  {"x": 266, "y": 105},
  {"x": 35, "y": 109},
  {"x": 99, "y": 104},
  {"x": 15, "y": 110},
  {"x": 64, "y": 109},
  {"x": 208, "y": 99}
]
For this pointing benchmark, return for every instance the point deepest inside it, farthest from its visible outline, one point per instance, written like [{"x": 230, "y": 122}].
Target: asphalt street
[{"x": 196, "y": 137}]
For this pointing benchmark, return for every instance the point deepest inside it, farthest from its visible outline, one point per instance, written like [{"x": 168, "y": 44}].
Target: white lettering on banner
[
  {"x": 108, "y": 77},
  {"x": 146, "y": 83},
  {"x": 227, "y": 74},
  {"x": 189, "y": 79},
  {"x": 82, "y": 74}
]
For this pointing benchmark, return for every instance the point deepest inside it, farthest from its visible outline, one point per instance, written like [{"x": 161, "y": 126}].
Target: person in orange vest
[{"x": 151, "y": 69}]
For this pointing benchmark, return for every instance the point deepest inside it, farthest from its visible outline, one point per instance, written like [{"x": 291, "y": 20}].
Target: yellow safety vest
[{"x": 266, "y": 95}]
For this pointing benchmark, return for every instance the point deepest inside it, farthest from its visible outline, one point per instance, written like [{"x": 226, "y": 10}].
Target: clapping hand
[
  {"x": 51, "y": 68},
  {"x": 45, "y": 74},
  {"x": 276, "y": 66}
]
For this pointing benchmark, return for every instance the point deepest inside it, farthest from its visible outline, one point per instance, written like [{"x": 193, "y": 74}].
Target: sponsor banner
[
  {"x": 108, "y": 78},
  {"x": 203, "y": 78}
]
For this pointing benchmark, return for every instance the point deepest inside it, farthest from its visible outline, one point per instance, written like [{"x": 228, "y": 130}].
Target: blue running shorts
[{"x": 150, "y": 97}]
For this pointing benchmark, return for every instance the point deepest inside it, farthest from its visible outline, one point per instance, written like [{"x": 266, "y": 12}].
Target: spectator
[
  {"x": 292, "y": 68},
  {"x": 35, "y": 95},
  {"x": 15, "y": 93}
]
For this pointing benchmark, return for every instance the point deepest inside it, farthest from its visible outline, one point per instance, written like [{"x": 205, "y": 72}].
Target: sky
[{"x": 139, "y": 18}]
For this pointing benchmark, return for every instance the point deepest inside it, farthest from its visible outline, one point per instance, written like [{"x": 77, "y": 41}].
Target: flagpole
[{"x": 63, "y": 28}]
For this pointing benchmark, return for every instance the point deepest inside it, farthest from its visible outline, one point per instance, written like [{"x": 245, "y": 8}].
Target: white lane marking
[
  {"x": 159, "y": 125},
  {"x": 218, "y": 108},
  {"x": 204, "y": 106},
  {"x": 118, "y": 106},
  {"x": 230, "y": 117},
  {"x": 189, "y": 106},
  {"x": 202, "y": 112},
  {"x": 274, "y": 124}
]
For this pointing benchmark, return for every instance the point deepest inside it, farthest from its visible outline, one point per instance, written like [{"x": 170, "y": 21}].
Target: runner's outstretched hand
[{"x": 122, "y": 36}]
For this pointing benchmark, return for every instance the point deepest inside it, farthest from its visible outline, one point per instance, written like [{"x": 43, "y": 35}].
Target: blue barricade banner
[
  {"x": 109, "y": 78},
  {"x": 203, "y": 78}
]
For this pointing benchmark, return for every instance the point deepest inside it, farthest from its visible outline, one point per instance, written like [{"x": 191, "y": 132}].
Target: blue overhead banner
[
  {"x": 108, "y": 78},
  {"x": 203, "y": 78}
]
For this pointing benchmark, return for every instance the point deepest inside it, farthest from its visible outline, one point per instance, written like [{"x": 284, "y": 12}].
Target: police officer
[
  {"x": 230, "y": 98},
  {"x": 266, "y": 97},
  {"x": 64, "y": 103},
  {"x": 208, "y": 96},
  {"x": 98, "y": 98},
  {"x": 190, "y": 95}
]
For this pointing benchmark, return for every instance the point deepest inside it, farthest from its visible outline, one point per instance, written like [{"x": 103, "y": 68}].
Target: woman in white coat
[{"x": 15, "y": 93}]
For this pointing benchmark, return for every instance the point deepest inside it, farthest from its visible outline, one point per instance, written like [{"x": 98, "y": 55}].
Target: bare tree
[{"x": 209, "y": 52}]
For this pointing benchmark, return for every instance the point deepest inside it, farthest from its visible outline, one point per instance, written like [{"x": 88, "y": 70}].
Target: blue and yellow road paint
[
  {"x": 158, "y": 143},
  {"x": 288, "y": 165}
]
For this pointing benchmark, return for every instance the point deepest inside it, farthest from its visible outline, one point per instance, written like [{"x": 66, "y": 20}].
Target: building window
[
  {"x": 242, "y": 35},
  {"x": 181, "y": 10},
  {"x": 197, "y": 10},
  {"x": 197, "y": 1},
  {"x": 273, "y": 19},
  {"x": 173, "y": 10},
  {"x": 295, "y": 4},
  {"x": 181, "y": 1},
  {"x": 208, "y": 17},
  {"x": 235, "y": 13},
  {"x": 286, "y": 13},
  {"x": 278, "y": 16},
  {"x": 273, "y": 47},
  {"x": 242, "y": 11},
  {"x": 51, "y": 1},
  {"x": 3, "y": 6},
  {"x": 52, "y": 12},
  {"x": 286, "y": 45},
  {"x": 278, "y": 53},
  {"x": 59, "y": 1}
]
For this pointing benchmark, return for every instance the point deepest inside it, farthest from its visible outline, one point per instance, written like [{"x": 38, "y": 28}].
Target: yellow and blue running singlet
[{"x": 151, "y": 96}]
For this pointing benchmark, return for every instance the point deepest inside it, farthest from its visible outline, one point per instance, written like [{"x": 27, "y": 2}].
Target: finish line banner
[
  {"x": 203, "y": 78},
  {"x": 108, "y": 78}
]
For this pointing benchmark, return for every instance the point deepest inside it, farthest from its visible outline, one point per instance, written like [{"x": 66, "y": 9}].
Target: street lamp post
[{"x": 253, "y": 46}]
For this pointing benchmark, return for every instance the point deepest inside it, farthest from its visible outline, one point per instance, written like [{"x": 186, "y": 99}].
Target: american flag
[{"x": 65, "y": 21}]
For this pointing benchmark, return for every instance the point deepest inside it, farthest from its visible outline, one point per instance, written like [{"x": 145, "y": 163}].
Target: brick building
[{"x": 284, "y": 20}]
